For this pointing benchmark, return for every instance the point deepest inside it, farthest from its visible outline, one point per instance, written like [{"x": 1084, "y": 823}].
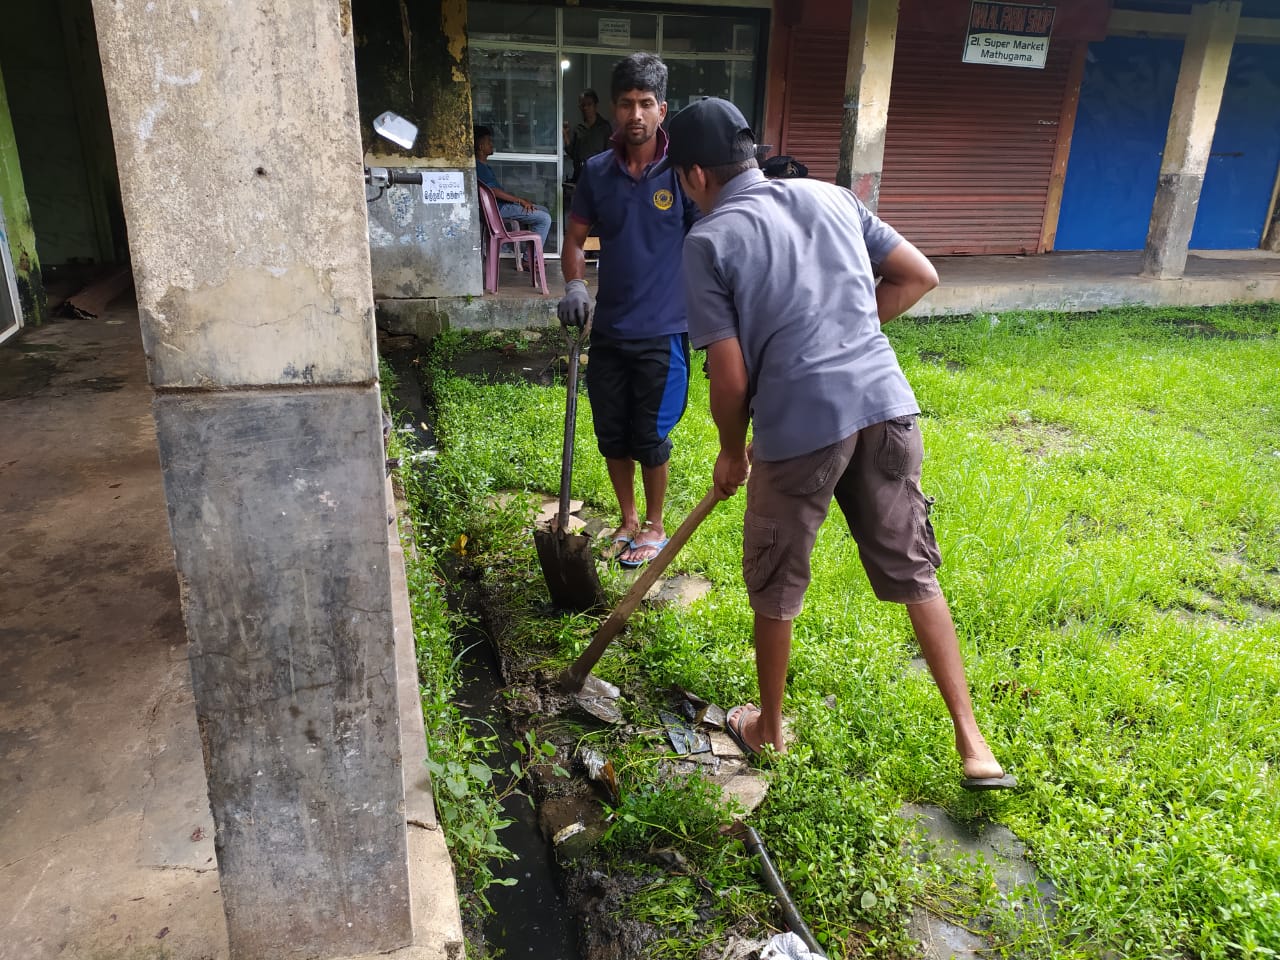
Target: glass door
[
  {"x": 10, "y": 310},
  {"x": 530, "y": 63},
  {"x": 711, "y": 57},
  {"x": 515, "y": 89}
]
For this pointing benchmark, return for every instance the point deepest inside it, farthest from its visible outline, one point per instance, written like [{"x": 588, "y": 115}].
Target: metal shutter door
[
  {"x": 814, "y": 104},
  {"x": 969, "y": 149}
]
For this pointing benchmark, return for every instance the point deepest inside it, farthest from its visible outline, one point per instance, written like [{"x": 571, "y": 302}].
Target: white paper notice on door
[
  {"x": 443, "y": 186},
  {"x": 614, "y": 32}
]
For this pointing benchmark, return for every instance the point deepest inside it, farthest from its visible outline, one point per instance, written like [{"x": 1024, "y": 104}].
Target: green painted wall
[
  {"x": 48, "y": 53},
  {"x": 17, "y": 220}
]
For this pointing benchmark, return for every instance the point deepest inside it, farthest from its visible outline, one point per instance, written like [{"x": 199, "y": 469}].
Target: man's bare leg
[
  {"x": 773, "y": 651},
  {"x": 655, "y": 494},
  {"x": 936, "y": 632},
  {"x": 622, "y": 474}
]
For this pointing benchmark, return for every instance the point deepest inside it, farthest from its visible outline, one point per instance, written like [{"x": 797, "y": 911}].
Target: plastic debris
[
  {"x": 684, "y": 739},
  {"x": 599, "y": 769},
  {"x": 571, "y": 830},
  {"x": 787, "y": 946}
]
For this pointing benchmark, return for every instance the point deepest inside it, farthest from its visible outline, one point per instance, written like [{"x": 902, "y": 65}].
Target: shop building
[
  {"x": 1061, "y": 154},
  {"x": 976, "y": 128}
]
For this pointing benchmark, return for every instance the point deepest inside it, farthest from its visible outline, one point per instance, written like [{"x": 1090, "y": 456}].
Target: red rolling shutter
[
  {"x": 814, "y": 104},
  {"x": 968, "y": 150}
]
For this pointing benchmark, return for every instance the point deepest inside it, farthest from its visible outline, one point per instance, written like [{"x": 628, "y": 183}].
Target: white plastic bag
[{"x": 787, "y": 946}]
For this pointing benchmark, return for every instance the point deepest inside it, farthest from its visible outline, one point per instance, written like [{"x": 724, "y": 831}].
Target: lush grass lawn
[{"x": 1108, "y": 507}]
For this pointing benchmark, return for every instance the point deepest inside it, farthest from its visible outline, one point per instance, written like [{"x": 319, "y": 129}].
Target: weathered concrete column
[
  {"x": 239, "y": 151},
  {"x": 17, "y": 222},
  {"x": 1201, "y": 80},
  {"x": 873, "y": 32},
  {"x": 1271, "y": 232}
]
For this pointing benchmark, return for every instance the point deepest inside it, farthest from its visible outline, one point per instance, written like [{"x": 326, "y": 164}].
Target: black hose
[
  {"x": 404, "y": 176},
  {"x": 773, "y": 880}
]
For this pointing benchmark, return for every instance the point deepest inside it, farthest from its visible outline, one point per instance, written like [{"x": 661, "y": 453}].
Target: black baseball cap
[{"x": 706, "y": 133}]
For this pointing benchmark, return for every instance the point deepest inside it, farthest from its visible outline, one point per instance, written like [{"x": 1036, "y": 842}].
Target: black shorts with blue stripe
[{"x": 638, "y": 390}]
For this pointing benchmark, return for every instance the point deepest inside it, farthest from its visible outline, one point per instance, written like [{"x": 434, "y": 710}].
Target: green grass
[{"x": 1108, "y": 507}]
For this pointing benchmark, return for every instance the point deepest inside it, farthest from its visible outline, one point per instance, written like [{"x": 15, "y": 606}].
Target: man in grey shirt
[{"x": 780, "y": 280}]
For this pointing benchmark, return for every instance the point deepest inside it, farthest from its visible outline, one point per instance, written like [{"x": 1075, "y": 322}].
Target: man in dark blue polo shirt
[{"x": 638, "y": 378}]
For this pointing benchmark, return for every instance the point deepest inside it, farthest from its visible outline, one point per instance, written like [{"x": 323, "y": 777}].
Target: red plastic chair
[{"x": 497, "y": 233}]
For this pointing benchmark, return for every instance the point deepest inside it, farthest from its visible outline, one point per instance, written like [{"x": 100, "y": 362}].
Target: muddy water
[{"x": 530, "y": 919}]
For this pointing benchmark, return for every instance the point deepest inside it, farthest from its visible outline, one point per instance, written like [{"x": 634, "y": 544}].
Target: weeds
[{"x": 467, "y": 796}]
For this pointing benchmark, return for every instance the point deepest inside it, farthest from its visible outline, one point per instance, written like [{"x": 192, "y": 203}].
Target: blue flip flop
[
  {"x": 617, "y": 546},
  {"x": 633, "y": 564}
]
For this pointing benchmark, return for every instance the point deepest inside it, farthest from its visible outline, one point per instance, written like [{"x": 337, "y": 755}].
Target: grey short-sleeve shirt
[{"x": 788, "y": 267}]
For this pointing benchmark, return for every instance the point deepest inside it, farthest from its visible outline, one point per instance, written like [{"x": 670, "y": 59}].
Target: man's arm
[
  {"x": 731, "y": 413},
  {"x": 575, "y": 307},
  {"x": 572, "y": 261},
  {"x": 906, "y": 276},
  {"x": 506, "y": 197},
  {"x": 485, "y": 174}
]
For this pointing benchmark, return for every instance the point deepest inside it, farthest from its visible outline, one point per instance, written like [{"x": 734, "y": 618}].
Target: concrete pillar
[
  {"x": 1201, "y": 80},
  {"x": 238, "y": 145},
  {"x": 17, "y": 226},
  {"x": 873, "y": 31},
  {"x": 1271, "y": 230}
]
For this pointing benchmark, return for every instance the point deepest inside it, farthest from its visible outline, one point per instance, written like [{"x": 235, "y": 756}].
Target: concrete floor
[
  {"x": 1091, "y": 281},
  {"x": 1055, "y": 281},
  {"x": 106, "y": 840}
]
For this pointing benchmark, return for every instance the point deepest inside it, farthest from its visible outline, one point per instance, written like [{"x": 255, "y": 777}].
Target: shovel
[
  {"x": 568, "y": 564},
  {"x": 577, "y": 679}
]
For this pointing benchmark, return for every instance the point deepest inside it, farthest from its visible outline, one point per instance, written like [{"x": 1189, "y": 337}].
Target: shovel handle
[
  {"x": 574, "y": 346},
  {"x": 576, "y": 675}
]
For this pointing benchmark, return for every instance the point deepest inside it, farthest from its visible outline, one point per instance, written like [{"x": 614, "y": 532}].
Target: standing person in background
[
  {"x": 638, "y": 378},
  {"x": 510, "y": 207},
  {"x": 781, "y": 290},
  {"x": 589, "y": 137}
]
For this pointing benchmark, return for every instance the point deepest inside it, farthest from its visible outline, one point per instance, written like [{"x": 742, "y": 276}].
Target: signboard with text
[
  {"x": 443, "y": 186},
  {"x": 613, "y": 31},
  {"x": 1008, "y": 34}
]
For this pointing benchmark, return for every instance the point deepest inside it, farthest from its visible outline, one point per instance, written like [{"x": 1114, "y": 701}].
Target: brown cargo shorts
[{"x": 874, "y": 476}]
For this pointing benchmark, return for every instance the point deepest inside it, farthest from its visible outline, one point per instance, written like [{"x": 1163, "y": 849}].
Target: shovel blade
[{"x": 569, "y": 568}]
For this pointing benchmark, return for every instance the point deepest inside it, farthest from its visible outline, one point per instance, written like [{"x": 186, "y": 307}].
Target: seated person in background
[
  {"x": 589, "y": 137},
  {"x": 510, "y": 207}
]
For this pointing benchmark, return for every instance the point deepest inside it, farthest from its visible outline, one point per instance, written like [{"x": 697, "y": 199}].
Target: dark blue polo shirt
[
  {"x": 485, "y": 174},
  {"x": 641, "y": 224}
]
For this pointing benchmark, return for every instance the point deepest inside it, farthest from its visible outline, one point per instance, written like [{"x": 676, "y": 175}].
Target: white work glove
[{"x": 575, "y": 306}]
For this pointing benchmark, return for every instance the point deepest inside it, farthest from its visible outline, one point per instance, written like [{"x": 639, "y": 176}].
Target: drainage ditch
[{"x": 530, "y": 917}]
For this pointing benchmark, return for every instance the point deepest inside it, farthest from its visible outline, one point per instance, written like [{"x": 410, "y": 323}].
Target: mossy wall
[
  {"x": 411, "y": 57},
  {"x": 17, "y": 222}
]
